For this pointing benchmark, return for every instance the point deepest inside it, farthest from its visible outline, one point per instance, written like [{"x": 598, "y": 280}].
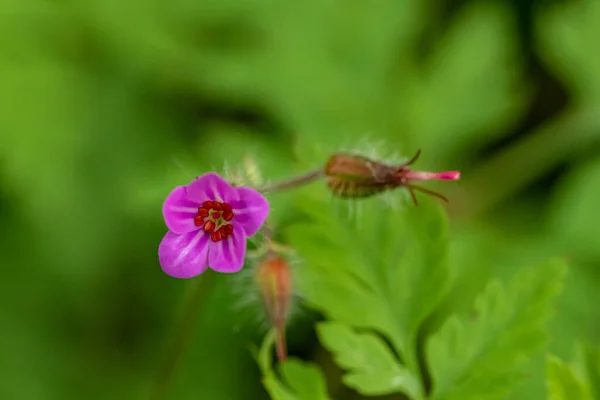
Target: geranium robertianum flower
[{"x": 209, "y": 221}]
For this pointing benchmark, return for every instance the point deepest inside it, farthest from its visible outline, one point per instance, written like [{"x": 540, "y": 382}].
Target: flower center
[{"x": 214, "y": 217}]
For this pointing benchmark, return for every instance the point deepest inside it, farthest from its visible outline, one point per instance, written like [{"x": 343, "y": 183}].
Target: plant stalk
[
  {"x": 181, "y": 335},
  {"x": 293, "y": 182}
]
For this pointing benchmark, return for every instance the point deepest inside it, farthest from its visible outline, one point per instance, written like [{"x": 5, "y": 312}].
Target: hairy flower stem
[
  {"x": 280, "y": 345},
  {"x": 181, "y": 335},
  {"x": 293, "y": 182}
]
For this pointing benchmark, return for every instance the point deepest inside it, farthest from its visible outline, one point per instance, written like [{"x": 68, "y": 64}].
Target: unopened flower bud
[
  {"x": 274, "y": 278},
  {"x": 354, "y": 176}
]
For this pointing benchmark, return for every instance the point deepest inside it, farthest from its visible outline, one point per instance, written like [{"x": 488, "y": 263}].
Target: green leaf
[
  {"x": 480, "y": 358},
  {"x": 305, "y": 379},
  {"x": 591, "y": 362},
  {"x": 453, "y": 100},
  {"x": 562, "y": 382},
  {"x": 302, "y": 380},
  {"x": 389, "y": 267},
  {"x": 372, "y": 368},
  {"x": 567, "y": 39},
  {"x": 577, "y": 197}
]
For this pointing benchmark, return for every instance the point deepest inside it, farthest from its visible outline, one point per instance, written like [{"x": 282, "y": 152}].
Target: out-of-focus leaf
[
  {"x": 371, "y": 367},
  {"x": 591, "y": 363},
  {"x": 567, "y": 39},
  {"x": 470, "y": 86},
  {"x": 571, "y": 216},
  {"x": 303, "y": 380},
  {"x": 480, "y": 359},
  {"x": 562, "y": 382}
]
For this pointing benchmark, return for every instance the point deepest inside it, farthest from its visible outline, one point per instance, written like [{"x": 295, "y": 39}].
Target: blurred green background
[{"x": 105, "y": 106}]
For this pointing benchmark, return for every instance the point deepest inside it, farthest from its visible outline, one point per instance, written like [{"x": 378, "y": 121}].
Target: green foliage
[
  {"x": 303, "y": 381},
  {"x": 576, "y": 381},
  {"x": 107, "y": 105},
  {"x": 591, "y": 362},
  {"x": 479, "y": 359},
  {"x": 567, "y": 38},
  {"x": 451, "y": 89},
  {"x": 562, "y": 381},
  {"x": 391, "y": 279},
  {"x": 372, "y": 367}
]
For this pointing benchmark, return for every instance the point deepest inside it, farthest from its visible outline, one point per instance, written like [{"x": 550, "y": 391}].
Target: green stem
[
  {"x": 411, "y": 361},
  {"x": 294, "y": 182},
  {"x": 181, "y": 335}
]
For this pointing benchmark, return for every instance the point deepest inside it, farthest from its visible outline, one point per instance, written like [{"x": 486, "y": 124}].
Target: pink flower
[{"x": 209, "y": 221}]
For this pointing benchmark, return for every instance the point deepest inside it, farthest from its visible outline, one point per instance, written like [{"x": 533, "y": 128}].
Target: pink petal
[
  {"x": 179, "y": 212},
  {"x": 211, "y": 186},
  {"x": 184, "y": 256},
  {"x": 227, "y": 256},
  {"x": 251, "y": 211},
  {"x": 426, "y": 176}
]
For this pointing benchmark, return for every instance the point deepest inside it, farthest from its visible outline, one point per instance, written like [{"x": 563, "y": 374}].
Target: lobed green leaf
[
  {"x": 372, "y": 369},
  {"x": 480, "y": 358}
]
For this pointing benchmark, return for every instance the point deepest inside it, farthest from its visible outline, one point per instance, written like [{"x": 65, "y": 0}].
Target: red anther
[
  {"x": 207, "y": 204},
  {"x": 209, "y": 226},
  {"x": 203, "y": 212},
  {"x": 216, "y": 215},
  {"x": 226, "y": 206},
  {"x": 227, "y": 215},
  {"x": 198, "y": 220},
  {"x": 215, "y": 236},
  {"x": 216, "y": 206},
  {"x": 223, "y": 231},
  {"x": 229, "y": 229}
]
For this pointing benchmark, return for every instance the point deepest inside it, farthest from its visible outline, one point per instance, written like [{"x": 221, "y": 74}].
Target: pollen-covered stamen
[
  {"x": 209, "y": 226},
  {"x": 214, "y": 218}
]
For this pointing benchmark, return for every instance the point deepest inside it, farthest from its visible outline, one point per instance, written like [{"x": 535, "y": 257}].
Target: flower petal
[
  {"x": 211, "y": 186},
  {"x": 228, "y": 255},
  {"x": 179, "y": 212},
  {"x": 251, "y": 211},
  {"x": 184, "y": 256}
]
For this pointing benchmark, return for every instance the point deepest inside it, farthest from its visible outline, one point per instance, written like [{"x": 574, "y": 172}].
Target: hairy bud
[{"x": 274, "y": 278}]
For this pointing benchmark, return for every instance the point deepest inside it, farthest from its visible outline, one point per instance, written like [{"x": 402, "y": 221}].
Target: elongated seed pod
[{"x": 350, "y": 175}]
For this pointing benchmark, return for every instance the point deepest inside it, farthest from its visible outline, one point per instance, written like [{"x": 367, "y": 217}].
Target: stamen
[
  {"x": 213, "y": 217},
  {"x": 215, "y": 236},
  {"x": 209, "y": 226}
]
